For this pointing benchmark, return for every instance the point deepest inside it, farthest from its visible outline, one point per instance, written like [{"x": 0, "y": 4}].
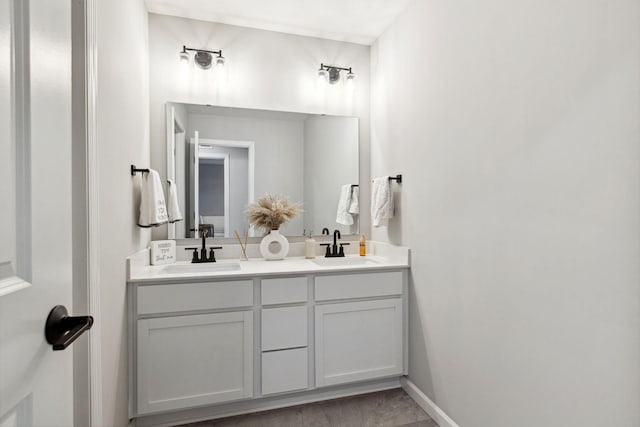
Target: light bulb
[
  {"x": 323, "y": 76},
  {"x": 220, "y": 62},
  {"x": 184, "y": 62},
  {"x": 351, "y": 78}
]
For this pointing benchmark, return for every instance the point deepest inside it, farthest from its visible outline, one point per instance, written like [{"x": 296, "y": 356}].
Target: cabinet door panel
[
  {"x": 194, "y": 360},
  {"x": 358, "y": 341}
]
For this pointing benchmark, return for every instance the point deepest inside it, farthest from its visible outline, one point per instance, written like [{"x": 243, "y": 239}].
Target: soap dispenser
[
  {"x": 310, "y": 246},
  {"x": 363, "y": 246}
]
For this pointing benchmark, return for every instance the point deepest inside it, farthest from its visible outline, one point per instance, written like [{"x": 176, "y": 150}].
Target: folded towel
[
  {"x": 342, "y": 216},
  {"x": 153, "y": 211},
  {"x": 381, "y": 202},
  {"x": 173, "y": 207},
  {"x": 354, "y": 206}
]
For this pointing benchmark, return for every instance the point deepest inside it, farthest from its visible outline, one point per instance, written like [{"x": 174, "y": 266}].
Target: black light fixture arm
[
  {"x": 329, "y": 67},
  {"x": 215, "y": 52}
]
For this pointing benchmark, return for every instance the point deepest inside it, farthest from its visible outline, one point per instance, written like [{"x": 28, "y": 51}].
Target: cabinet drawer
[
  {"x": 358, "y": 285},
  {"x": 284, "y": 291},
  {"x": 284, "y": 327},
  {"x": 285, "y": 370},
  {"x": 194, "y": 296}
]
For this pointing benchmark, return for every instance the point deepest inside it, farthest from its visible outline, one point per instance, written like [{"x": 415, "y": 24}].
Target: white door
[
  {"x": 35, "y": 215},
  {"x": 357, "y": 341},
  {"x": 171, "y": 157}
]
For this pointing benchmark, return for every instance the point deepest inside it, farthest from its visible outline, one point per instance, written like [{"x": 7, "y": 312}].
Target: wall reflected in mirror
[{"x": 224, "y": 158}]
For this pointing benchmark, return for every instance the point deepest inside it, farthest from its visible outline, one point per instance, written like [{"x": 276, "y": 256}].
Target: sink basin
[
  {"x": 211, "y": 267},
  {"x": 327, "y": 262}
]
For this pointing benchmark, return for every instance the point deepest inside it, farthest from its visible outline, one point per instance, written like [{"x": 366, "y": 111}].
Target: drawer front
[
  {"x": 358, "y": 285},
  {"x": 284, "y": 291},
  {"x": 285, "y": 370},
  {"x": 194, "y": 296},
  {"x": 284, "y": 328}
]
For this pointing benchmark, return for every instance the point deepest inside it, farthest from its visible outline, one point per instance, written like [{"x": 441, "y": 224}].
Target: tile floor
[{"x": 390, "y": 408}]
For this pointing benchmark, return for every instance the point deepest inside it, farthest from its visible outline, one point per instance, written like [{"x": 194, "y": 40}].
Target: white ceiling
[{"x": 355, "y": 21}]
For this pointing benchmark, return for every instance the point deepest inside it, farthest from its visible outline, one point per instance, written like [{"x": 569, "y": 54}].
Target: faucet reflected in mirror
[{"x": 223, "y": 158}]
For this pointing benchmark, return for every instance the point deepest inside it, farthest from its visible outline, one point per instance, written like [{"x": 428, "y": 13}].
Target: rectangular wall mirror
[{"x": 224, "y": 158}]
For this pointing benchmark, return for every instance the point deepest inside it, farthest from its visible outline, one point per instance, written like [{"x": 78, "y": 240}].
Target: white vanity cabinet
[
  {"x": 359, "y": 340},
  {"x": 237, "y": 344},
  {"x": 193, "y": 344}
]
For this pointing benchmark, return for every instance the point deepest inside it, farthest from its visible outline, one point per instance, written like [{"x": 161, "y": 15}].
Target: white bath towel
[
  {"x": 381, "y": 202},
  {"x": 354, "y": 205},
  {"x": 153, "y": 210},
  {"x": 343, "y": 216},
  {"x": 173, "y": 207}
]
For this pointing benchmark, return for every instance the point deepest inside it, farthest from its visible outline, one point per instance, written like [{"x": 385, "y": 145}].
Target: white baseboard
[{"x": 427, "y": 404}]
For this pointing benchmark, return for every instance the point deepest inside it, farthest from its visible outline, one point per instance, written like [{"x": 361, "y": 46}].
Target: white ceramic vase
[{"x": 274, "y": 246}]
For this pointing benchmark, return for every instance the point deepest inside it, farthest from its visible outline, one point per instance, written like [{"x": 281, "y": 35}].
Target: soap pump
[{"x": 310, "y": 246}]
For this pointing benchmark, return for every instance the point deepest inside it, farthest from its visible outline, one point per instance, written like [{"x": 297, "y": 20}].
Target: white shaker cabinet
[
  {"x": 194, "y": 360},
  {"x": 357, "y": 341},
  {"x": 211, "y": 347}
]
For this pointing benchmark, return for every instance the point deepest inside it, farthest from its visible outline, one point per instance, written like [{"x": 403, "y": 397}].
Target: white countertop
[{"x": 383, "y": 257}]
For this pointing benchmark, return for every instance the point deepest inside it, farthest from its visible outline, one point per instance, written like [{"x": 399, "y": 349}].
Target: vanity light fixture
[
  {"x": 331, "y": 74},
  {"x": 203, "y": 58}
]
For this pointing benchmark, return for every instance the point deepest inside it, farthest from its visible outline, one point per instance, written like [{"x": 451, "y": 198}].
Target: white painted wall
[
  {"x": 329, "y": 159},
  {"x": 265, "y": 70},
  {"x": 516, "y": 127},
  {"x": 123, "y": 138},
  {"x": 279, "y": 150}
]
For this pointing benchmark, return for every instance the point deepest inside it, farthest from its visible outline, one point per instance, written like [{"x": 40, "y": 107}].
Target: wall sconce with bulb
[
  {"x": 331, "y": 74},
  {"x": 202, "y": 58}
]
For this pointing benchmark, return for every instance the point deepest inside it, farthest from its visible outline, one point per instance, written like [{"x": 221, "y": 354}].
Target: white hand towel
[
  {"x": 342, "y": 216},
  {"x": 153, "y": 210},
  {"x": 173, "y": 207},
  {"x": 354, "y": 206},
  {"x": 381, "y": 202}
]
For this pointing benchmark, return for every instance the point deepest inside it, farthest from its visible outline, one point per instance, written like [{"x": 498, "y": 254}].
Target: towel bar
[
  {"x": 134, "y": 170},
  {"x": 397, "y": 178}
]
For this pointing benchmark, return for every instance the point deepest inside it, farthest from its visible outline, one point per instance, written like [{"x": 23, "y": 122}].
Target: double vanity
[{"x": 212, "y": 340}]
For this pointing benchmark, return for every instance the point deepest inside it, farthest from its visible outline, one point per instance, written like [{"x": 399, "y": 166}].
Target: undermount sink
[
  {"x": 327, "y": 262},
  {"x": 209, "y": 267}
]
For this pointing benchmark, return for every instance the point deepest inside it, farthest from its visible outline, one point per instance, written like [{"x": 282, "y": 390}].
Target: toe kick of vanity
[{"x": 217, "y": 347}]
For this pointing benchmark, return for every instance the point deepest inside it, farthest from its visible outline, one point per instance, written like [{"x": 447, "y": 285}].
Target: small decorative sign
[{"x": 163, "y": 252}]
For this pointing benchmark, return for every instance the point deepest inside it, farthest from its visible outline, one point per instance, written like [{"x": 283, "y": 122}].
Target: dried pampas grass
[{"x": 271, "y": 211}]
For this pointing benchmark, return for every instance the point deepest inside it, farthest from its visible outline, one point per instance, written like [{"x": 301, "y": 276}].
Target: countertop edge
[{"x": 219, "y": 276}]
